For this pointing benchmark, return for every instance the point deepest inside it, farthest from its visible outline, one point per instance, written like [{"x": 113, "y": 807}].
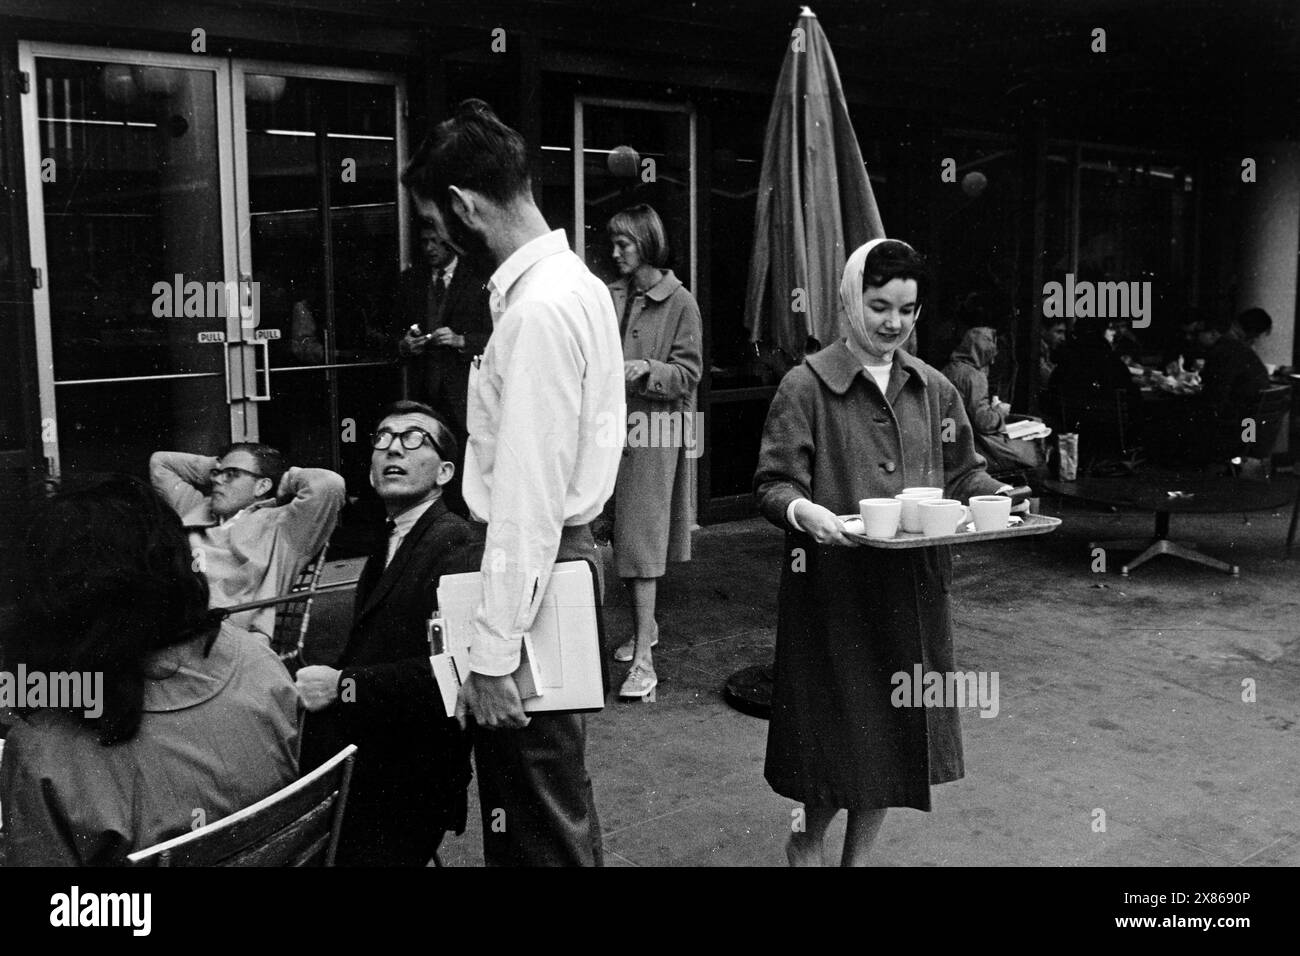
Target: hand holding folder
[{"x": 561, "y": 660}]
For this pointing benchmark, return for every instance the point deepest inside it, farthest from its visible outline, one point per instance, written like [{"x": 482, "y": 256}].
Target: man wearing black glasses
[
  {"x": 248, "y": 548},
  {"x": 412, "y": 770}
]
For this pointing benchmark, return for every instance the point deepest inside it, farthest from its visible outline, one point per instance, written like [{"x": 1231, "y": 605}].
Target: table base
[{"x": 1162, "y": 544}]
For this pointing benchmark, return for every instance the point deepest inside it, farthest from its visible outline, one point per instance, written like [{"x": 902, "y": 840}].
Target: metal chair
[
  {"x": 1105, "y": 427},
  {"x": 1270, "y": 413},
  {"x": 1295, "y": 520},
  {"x": 293, "y": 613},
  {"x": 297, "y": 826}
]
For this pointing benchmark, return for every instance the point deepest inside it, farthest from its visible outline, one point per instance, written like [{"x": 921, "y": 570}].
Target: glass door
[
  {"x": 628, "y": 152},
  {"x": 135, "y": 294},
  {"x": 318, "y": 156}
]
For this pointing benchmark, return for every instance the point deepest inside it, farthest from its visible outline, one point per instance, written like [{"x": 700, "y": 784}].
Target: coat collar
[
  {"x": 837, "y": 367},
  {"x": 661, "y": 291},
  {"x": 181, "y": 676}
]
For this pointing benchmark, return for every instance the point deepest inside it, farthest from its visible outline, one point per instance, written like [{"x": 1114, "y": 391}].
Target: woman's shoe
[
  {"x": 641, "y": 682},
  {"x": 627, "y": 650}
]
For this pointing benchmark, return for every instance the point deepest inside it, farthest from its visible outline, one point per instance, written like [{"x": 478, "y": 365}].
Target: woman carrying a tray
[{"x": 861, "y": 419}]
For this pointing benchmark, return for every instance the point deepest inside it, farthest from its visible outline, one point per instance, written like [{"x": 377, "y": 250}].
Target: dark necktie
[{"x": 436, "y": 290}]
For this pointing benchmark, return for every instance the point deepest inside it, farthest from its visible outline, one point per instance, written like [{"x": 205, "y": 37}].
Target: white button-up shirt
[{"x": 547, "y": 419}]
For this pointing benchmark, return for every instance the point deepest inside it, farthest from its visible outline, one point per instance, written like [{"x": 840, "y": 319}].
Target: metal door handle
[{"x": 251, "y": 371}]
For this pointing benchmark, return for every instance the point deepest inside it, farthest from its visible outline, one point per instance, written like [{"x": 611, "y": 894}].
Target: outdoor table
[{"x": 1201, "y": 494}]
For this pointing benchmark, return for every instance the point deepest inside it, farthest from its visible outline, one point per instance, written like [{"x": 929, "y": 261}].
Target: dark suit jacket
[
  {"x": 440, "y": 376},
  {"x": 412, "y": 767}
]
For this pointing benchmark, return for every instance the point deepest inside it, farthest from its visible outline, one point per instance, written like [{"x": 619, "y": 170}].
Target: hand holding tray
[{"x": 1019, "y": 526}]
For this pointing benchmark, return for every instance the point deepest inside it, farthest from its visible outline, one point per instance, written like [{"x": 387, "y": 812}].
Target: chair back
[
  {"x": 297, "y": 826},
  {"x": 293, "y": 615},
  {"x": 1270, "y": 412},
  {"x": 1102, "y": 420}
]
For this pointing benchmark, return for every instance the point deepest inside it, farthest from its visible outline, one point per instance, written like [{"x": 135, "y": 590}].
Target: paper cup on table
[
  {"x": 879, "y": 517},
  {"x": 910, "y": 519},
  {"x": 941, "y": 516},
  {"x": 990, "y": 512},
  {"x": 1067, "y": 446}
]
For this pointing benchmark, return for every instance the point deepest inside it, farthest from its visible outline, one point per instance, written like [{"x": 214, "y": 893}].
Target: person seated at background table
[
  {"x": 1051, "y": 336},
  {"x": 1183, "y": 348},
  {"x": 1234, "y": 375},
  {"x": 1231, "y": 381},
  {"x": 861, "y": 419},
  {"x": 1089, "y": 381},
  {"x": 194, "y": 719},
  {"x": 412, "y": 767},
  {"x": 248, "y": 548},
  {"x": 968, "y": 371}
]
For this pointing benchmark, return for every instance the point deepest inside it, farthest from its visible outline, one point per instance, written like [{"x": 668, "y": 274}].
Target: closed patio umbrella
[{"x": 815, "y": 204}]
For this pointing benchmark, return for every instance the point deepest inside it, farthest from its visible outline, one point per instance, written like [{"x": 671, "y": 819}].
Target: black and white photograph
[{"x": 664, "y": 433}]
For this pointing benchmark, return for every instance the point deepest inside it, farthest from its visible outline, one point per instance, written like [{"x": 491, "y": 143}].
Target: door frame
[
  {"x": 232, "y": 179},
  {"x": 28, "y": 52},
  {"x": 580, "y": 172},
  {"x": 241, "y": 67}
]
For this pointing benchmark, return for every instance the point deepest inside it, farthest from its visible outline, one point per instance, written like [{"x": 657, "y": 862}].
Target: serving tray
[{"x": 1027, "y": 525}]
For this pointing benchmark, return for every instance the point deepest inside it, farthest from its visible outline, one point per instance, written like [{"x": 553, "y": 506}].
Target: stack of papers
[{"x": 1027, "y": 430}]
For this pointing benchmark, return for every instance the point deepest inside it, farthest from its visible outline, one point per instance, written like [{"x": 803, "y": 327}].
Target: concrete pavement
[{"x": 1119, "y": 695}]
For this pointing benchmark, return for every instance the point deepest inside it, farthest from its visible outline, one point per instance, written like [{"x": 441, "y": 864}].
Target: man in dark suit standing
[
  {"x": 445, "y": 298},
  {"x": 412, "y": 769}
]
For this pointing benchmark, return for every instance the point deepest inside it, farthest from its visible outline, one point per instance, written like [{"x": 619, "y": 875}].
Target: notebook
[{"x": 562, "y": 664}]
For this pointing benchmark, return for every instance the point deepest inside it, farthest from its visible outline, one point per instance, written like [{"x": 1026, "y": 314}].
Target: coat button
[
  {"x": 636, "y": 333},
  {"x": 889, "y": 466}
]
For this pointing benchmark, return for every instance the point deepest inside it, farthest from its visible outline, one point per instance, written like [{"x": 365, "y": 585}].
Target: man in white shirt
[{"x": 539, "y": 468}]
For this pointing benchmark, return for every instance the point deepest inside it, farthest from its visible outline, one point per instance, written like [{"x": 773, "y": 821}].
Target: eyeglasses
[
  {"x": 411, "y": 439},
  {"x": 230, "y": 474}
]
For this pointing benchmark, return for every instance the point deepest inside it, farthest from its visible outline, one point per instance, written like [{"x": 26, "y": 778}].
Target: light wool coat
[{"x": 654, "y": 501}]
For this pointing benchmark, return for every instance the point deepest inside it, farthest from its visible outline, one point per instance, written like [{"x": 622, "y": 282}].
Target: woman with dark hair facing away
[
  {"x": 861, "y": 419},
  {"x": 654, "y": 500},
  {"x": 184, "y": 718}
]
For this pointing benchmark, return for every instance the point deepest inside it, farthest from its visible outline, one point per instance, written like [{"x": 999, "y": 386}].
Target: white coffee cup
[
  {"x": 990, "y": 512},
  {"x": 941, "y": 516},
  {"x": 879, "y": 517},
  {"x": 910, "y": 520}
]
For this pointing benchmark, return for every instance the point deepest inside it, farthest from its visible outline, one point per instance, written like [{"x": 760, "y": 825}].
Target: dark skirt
[{"x": 847, "y": 622}]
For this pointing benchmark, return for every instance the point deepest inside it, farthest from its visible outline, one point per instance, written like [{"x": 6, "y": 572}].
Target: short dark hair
[
  {"x": 1255, "y": 322},
  {"x": 444, "y": 437},
  {"x": 106, "y": 581},
  {"x": 642, "y": 225},
  {"x": 895, "y": 259},
  {"x": 473, "y": 150},
  {"x": 270, "y": 462}
]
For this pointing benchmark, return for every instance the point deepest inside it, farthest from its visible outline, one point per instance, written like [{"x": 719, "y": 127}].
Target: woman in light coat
[{"x": 654, "y": 500}]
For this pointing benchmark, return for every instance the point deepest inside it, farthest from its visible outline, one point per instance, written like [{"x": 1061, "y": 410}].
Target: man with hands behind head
[
  {"x": 412, "y": 765},
  {"x": 253, "y": 523}
]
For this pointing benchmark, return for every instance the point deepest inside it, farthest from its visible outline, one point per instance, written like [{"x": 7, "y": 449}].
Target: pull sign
[
  {"x": 209, "y": 337},
  {"x": 24, "y": 81},
  {"x": 38, "y": 279},
  {"x": 263, "y": 334}
]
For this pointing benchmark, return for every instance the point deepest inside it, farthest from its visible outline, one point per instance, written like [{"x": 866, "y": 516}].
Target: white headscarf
[{"x": 851, "y": 285}]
